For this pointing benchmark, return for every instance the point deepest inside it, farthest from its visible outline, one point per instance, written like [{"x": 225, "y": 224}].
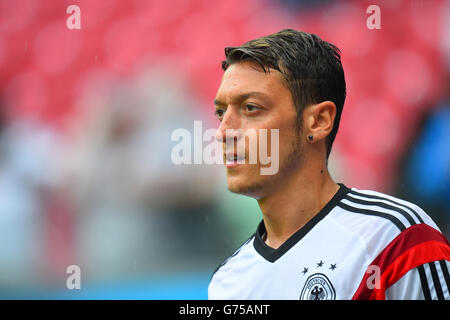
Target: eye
[
  {"x": 219, "y": 113},
  {"x": 251, "y": 108}
]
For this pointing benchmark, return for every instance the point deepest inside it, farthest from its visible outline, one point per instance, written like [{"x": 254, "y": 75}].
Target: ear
[{"x": 318, "y": 120}]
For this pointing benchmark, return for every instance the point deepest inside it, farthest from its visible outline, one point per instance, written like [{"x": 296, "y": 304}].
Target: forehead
[{"x": 247, "y": 76}]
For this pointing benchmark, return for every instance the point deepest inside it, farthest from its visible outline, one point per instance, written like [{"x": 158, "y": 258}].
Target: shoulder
[
  {"x": 396, "y": 213},
  {"x": 375, "y": 219},
  {"x": 385, "y": 223},
  {"x": 235, "y": 254},
  {"x": 398, "y": 235}
]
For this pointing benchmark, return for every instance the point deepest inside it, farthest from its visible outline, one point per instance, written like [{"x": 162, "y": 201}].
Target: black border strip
[{"x": 271, "y": 254}]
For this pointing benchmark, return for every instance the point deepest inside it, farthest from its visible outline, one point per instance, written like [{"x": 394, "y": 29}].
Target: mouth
[{"x": 233, "y": 160}]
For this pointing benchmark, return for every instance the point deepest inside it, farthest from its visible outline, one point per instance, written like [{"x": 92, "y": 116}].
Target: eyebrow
[{"x": 242, "y": 97}]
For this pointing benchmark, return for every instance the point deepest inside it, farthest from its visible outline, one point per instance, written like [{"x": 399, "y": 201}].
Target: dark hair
[{"x": 311, "y": 68}]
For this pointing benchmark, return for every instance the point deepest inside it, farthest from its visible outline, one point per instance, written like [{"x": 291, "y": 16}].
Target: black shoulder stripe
[
  {"x": 235, "y": 253},
  {"x": 444, "y": 269},
  {"x": 436, "y": 281},
  {"x": 388, "y": 216},
  {"x": 389, "y": 200},
  {"x": 383, "y": 205},
  {"x": 424, "y": 283}
]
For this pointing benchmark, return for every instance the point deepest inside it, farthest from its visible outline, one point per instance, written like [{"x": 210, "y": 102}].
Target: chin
[
  {"x": 245, "y": 186},
  {"x": 234, "y": 185}
]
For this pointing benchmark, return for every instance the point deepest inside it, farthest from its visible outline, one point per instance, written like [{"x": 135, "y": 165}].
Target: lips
[{"x": 234, "y": 158}]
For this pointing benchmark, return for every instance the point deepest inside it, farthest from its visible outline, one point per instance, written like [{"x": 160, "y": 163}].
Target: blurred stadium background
[{"x": 86, "y": 117}]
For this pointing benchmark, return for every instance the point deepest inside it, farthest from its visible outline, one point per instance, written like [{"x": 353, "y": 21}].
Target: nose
[{"x": 229, "y": 129}]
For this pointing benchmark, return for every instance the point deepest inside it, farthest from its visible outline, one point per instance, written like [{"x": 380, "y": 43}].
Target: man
[{"x": 318, "y": 239}]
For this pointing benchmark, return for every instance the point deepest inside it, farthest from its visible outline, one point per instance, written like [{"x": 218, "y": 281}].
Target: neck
[{"x": 296, "y": 201}]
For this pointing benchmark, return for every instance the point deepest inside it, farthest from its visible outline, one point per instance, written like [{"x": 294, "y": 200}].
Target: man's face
[{"x": 250, "y": 99}]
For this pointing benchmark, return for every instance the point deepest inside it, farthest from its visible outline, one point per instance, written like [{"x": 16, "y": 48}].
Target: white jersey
[{"x": 361, "y": 245}]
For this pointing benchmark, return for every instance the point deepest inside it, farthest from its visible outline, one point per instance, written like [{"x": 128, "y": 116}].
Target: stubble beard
[{"x": 262, "y": 187}]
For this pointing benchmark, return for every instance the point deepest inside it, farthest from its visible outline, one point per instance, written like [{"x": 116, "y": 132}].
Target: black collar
[{"x": 271, "y": 254}]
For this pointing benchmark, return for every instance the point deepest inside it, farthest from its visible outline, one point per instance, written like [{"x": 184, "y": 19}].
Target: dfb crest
[{"x": 318, "y": 287}]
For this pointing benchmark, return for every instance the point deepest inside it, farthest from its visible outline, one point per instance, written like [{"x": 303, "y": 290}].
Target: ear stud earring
[{"x": 310, "y": 137}]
